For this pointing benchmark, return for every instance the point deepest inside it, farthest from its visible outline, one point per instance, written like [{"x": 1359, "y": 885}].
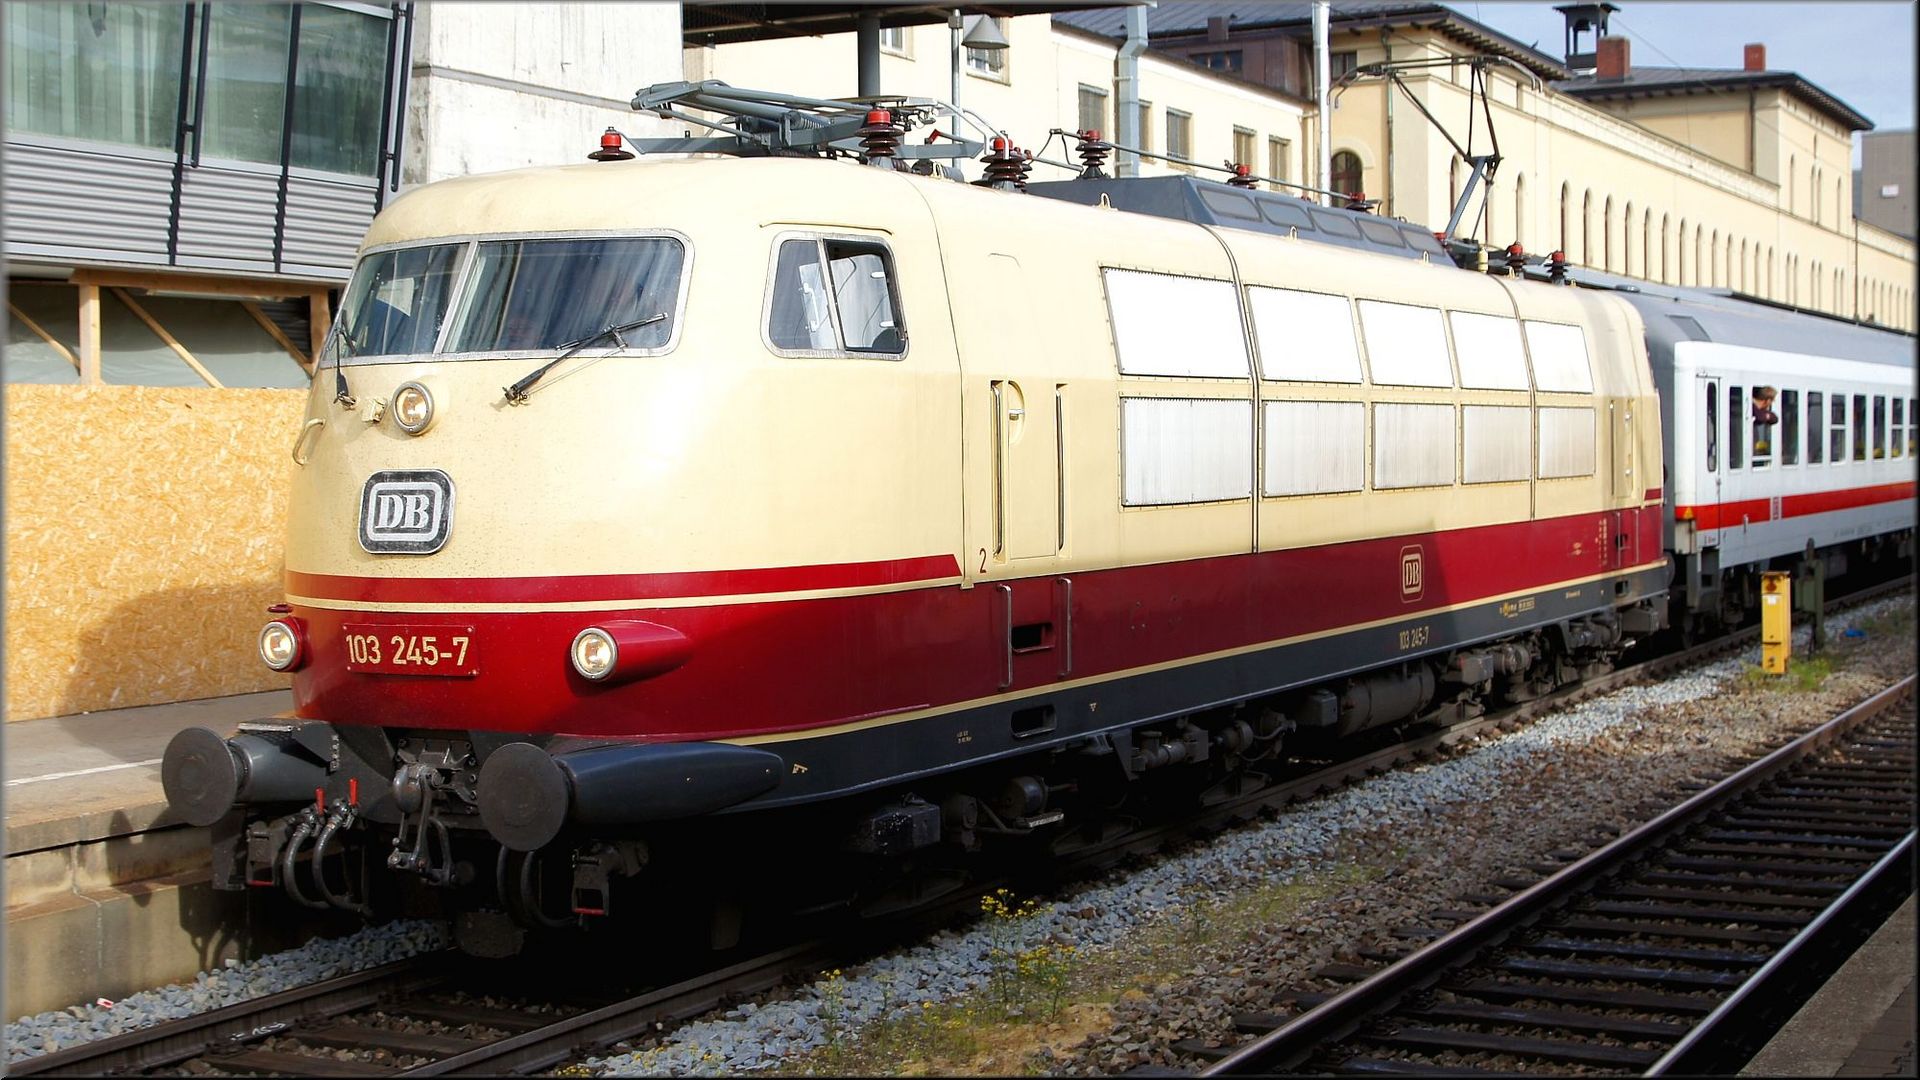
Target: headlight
[
  {"x": 412, "y": 408},
  {"x": 594, "y": 653},
  {"x": 280, "y": 645}
]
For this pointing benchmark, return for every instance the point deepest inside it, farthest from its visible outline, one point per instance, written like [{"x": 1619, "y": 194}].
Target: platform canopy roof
[{"x": 717, "y": 23}]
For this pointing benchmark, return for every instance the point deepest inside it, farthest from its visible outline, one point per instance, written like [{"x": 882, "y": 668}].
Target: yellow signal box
[{"x": 1776, "y": 621}]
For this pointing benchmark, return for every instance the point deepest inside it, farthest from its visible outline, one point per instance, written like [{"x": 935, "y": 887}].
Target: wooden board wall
[{"x": 143, "y": 528}]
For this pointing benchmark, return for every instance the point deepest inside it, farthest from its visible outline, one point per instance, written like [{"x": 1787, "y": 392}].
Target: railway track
[
  {"x": 1678, "y": 948},
  {"x": 368, "y": 1023}
]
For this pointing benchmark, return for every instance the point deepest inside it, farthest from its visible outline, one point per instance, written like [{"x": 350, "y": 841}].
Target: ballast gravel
[
  {"x": 238, "y": 981},
  {"x": 1430, "y": 832}
]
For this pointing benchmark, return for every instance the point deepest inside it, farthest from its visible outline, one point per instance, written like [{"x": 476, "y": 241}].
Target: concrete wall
[
  {"x": 505, "y": 86},
  {"x": 1887, "y": 160}
]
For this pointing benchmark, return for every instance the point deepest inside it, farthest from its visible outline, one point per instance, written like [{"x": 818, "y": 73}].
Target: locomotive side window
[
  {"x": 1879, "y": 427},
  {"x": 1713, "y": 427},
  {"x": 1899, "y": 429},
  {"x": 1566, "y": 443},
  {"x": 1406, "y": 345},
  {"x": 1816, "y": 427},
  {"x": 1736, "y": 427},
  {"x": 1560, "y": 360},
  {"x": 1304, "y": 336},
  {"x": 1313, "y": 447},
  {"x": 834, "y": 296},
  {"x": 1185, "y": 450},
  {"x": 1496, "y": 441},
  {"x": 1489, "y": 352},
  {"x": 1837, "y": 434},
  {"x": 552, "y": 294},
  {"x": 1789, "y": 427},
  {"x": 1175, "y": 327},
  {"x": 1412, "y": 445},
  {"x": 396, "y": 303},
  {"x": 1859, "y": 427}
]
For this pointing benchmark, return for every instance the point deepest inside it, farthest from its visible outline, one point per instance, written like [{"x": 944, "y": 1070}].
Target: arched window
[
  {"x": 1727, "y": 269},
  {"x": 1626, "y": 240},
  {"x": 1756, "y": 268},
  {"x": 1700, "y": 275},
  {"x": 1520, "y": 209},
  {"x": 1713, "y": 256},
  {"x": 1813, "y": 285},
  {"x": 1566, "y": 238},
  {"x": 1664, "y": 233},
  {"x": 1743, "y": 266},
  {"x": 1606, "y": 235},
  {"x": 1346, "y": 173},
  {"x": 1586, "y": 228},
  {"x": 1839, "y": 203},
  {"x": 1680, "y": 254},
  {"x": 1646, "y": 244},
  {"x": 1773, "y": 286},
  {"x": 1791, "y": 165}
]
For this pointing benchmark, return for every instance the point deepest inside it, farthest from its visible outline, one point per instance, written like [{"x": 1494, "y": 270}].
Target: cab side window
[
  {"x": 1713, "y": 427},
  {"x": 834, "y": 296}
]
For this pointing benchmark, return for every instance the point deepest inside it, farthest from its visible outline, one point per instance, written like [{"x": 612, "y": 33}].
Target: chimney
[
  {"x": 1755, "y": 58},
  {"x": 1216, "y": 29},
  {"x": 1613, "y": 61}
]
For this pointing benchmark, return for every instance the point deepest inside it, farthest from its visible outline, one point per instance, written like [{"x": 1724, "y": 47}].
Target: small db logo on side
[{"x": 1412, "y": 573}]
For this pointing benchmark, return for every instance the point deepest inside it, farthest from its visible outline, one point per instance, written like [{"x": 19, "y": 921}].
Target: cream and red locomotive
[{"x": 719, "y": 513}]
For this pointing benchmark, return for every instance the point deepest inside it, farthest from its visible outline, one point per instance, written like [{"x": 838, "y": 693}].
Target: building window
[
  {"x": 1346, "y": 173},
  {"x": 337, "y": 90},
  {"x": 1229, "y": 61},
  {"x": 990, "y": 62},
  {"x": 1243, "y": 148},
  {"x": 1341, "y": 63},
  {"x": 1279, "y": 160},
  {"x": 1093, "y": 109},
  {"x": 112, "y": 73},
  {"x": 893, "y": 39},
  {"x": 105, "y": 72},
  {"x": 1179, "y": 135}
]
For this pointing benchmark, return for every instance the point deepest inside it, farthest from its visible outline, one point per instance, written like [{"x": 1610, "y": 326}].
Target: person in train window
[{"x": 1763, "y": 419}]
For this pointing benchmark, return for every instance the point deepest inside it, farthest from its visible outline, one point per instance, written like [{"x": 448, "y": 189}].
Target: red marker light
[{"x": 353, "y": 792}]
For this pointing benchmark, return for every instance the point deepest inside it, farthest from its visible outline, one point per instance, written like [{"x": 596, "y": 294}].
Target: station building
[{"x": 1733, "y": 178}]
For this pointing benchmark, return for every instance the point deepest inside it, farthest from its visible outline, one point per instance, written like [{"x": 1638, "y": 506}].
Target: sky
[{"x": 1861, "y": 53}]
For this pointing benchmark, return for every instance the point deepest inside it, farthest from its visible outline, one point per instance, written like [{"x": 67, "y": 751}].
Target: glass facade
[
  {"x": 117, "y": 73},
  {"x": 105, "y": 72}
]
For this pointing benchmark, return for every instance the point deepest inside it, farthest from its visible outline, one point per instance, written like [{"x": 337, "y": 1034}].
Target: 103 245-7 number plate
[{"x": 405, "y": 649}]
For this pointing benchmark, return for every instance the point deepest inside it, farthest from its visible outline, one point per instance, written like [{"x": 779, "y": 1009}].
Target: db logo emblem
[
  {"x": 407, "y": 513},
  {"x": 1413, "y": 583}
]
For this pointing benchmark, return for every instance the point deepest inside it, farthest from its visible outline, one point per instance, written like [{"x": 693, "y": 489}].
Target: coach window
[
  {"x": 1879, "y": 427},
  {"x": 1789, "y": 427},
  {"x": 1859, "y": 427},
  {"x": 1816, "y": 428},
  {"x": 834, "y": 296},
  {"x": 1899, "y": 429},
  {"x": 1713, "y": 427},
  {"x": 1837, "y": 433},
  {"x": 1736, "y": 431},
  {"x": 1913, "y": 419}
]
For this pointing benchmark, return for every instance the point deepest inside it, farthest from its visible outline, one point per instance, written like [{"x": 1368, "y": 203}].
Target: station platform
[
  {"x": 106, "y": 892},
  {"x": 1861, "y": 1023}
]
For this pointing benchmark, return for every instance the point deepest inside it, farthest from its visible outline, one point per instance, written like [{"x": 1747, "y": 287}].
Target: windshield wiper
[
  {"x": 340, "y": 395},
  {"x": 518, "y": 392}
]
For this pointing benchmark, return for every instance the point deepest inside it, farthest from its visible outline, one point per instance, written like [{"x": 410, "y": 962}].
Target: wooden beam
[
  {"x": 161, "y": 332},
  {"x": 278, "y": 334},
  {"x": 192, "y": 283},
  {"x": 319, "y": 319},
  {"x": 90, "y": 335},
  {"x": 21, "y": 317}
]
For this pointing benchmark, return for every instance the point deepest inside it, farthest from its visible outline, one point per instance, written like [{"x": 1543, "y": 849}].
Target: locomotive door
[
  {"x": 1625, "y": 544},
  {"x": 1025, "y": 410}
]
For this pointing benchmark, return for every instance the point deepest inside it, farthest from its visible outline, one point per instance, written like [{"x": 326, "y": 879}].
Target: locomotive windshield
[{"x": 510, "y": 296}]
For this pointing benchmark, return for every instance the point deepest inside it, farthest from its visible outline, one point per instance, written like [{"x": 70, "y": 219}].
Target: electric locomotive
[{"x": 763, "y": 515}]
